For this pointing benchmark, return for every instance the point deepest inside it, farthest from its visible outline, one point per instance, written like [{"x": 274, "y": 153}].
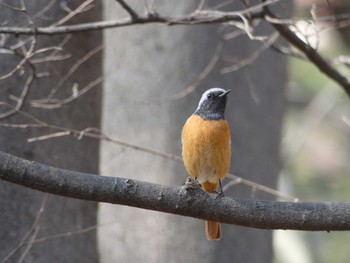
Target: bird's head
[{"x": 212, "y": 104}]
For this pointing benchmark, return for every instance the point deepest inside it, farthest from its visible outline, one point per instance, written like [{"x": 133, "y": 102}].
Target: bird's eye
[{"x": 210, "y": 95}]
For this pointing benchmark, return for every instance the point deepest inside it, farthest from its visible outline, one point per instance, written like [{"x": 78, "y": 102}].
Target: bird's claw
[{"x": 190, "y": 183}]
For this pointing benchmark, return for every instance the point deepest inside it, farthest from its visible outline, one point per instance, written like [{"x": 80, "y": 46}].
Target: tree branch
[
  {"x": 309, "y": 51},
  {"x": 197, "y": 18},
  {"x": 187, "y": 200},
  {"x": 203, "y": 17},
  {"x": 128, "y": 9}
]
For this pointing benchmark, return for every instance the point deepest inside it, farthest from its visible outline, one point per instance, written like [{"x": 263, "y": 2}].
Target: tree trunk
[
  {"x": 151, "y": 63},
  {"x": 20, "y": 207}
]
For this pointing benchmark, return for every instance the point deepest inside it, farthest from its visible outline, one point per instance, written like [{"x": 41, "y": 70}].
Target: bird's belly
[
  {"x": 206, "y": 149},
  {"x": 209, "y": 162}
]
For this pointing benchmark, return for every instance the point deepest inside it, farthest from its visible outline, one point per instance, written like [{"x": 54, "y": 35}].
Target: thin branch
[
  {"x": 206, "y": 71},
  {"x": 54, "y": 54},
  {"x": 196, "y": 18},
  {"x": 288, "y": 51},
  {"x": 65, "y": 77},
  {"x": 25, "y": 11},
  {"x": 188, "y": 200},
  {"x": 58, "y": 236},
  {"x": 31, "y": 232},
  {"x": 150, "y": 7},
  {"x": 79, "y": 9},
  {"x": 128, "y": 9},
  {"x": 53, "y": 104},
  {"x": 24, "y": 59},
  {"x": 20, "y": 100},
  {"x": 309, "y": 52},
  {"x": 41, "y": 12},
  {"x": 97, "y": 134},
  {"x": 258, "y": 11},
  {"x": 49, "y": 136},
  {"x": 66, "y": 234},
  {"x": 14, "y": 8},
  {"x": 200, "y": 5},
  {"x": 255, "y": 55},
  {"x": 29, "y": 244},
  {"x": 313, "y": 114},
  {"x": 237, "y": 180}
]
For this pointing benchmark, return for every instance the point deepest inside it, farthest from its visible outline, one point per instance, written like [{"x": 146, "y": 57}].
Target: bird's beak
[{"x": 225, "y": 93}]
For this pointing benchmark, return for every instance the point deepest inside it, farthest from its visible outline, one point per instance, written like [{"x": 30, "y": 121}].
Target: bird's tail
[{"x": 212, "y": 228}]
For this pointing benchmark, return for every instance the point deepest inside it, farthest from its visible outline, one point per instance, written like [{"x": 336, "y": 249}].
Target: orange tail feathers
[{"x": 212, "y": 230}]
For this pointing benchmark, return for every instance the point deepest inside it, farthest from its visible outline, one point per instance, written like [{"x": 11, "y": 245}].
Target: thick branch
[{"x": 187, "y": 200}]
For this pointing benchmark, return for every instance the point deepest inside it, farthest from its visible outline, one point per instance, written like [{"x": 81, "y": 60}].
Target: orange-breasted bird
[{"x": 206, "y": 147}]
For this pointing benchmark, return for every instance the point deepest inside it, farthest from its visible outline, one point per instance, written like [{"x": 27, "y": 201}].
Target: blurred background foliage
[{"x": 316, "y": 141}]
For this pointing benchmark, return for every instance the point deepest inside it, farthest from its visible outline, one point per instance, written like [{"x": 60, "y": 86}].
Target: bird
[{"x": 206, "y": 147}]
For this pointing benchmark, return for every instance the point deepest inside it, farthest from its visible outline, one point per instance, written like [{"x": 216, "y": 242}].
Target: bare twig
[
  {"x": 29, "y": 244},
  {"x": 87, "y": 56},
  {"x": 14, "y": 8},
  {"x": 97, "y": 134},
  {"x": 53, "y": 104},
  {"x": 63, "y": 235},
  {"x": 53, "y": 56},
  {"x": 270, "y": 41},
  {"x": 24, "y": 58},
  {"x": 68, "y": 234},
  {"x": 79, "y": 9},
  {"x": 34, "y": 228},
  {"x": 199, "y": 17},
  {"x": 317, "y": 109},
  {"x": 41, "y": 12},
  {"x": 29, "y": 18},
  {"x": 22, "y": 97},
  {"x": 309, "y": 52},
  {"x": 288, "y": 51},
  {"x": 200, "y": 5},
  {"x": 237, "y": 180},
  {"x": 49, "y": 136},
  {"x": 196, "y": 18},
  {"x": 206, "y": 71},
  {"x": 150, "y": 7},
  {"x": 128, "y": 9}
]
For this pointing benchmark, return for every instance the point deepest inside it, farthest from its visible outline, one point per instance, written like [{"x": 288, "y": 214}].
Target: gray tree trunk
[
  {"x": 153, "y": 62},
  {"x": 19, "y": 207}
]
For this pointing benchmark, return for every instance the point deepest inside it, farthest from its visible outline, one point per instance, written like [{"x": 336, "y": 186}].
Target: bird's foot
[
  {"x": 220, "y": 195},
  {"x": 190, "y": 185},
  {"x": 220, "y": 192}
]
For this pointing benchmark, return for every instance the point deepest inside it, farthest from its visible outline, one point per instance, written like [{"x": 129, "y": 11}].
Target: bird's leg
[{"x": 221, "y": 192}]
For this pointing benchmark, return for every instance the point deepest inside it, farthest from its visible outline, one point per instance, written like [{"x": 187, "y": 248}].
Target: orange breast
[{"x": 206, "y": 149}]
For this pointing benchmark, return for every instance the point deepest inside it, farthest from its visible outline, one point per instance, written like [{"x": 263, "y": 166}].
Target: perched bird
[{"x": 206, "y": 147}]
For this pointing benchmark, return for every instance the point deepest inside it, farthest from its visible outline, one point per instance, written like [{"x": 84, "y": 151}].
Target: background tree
[
  {"x": 27, "y": 214},
  {"x": 149, "y": 69}
]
